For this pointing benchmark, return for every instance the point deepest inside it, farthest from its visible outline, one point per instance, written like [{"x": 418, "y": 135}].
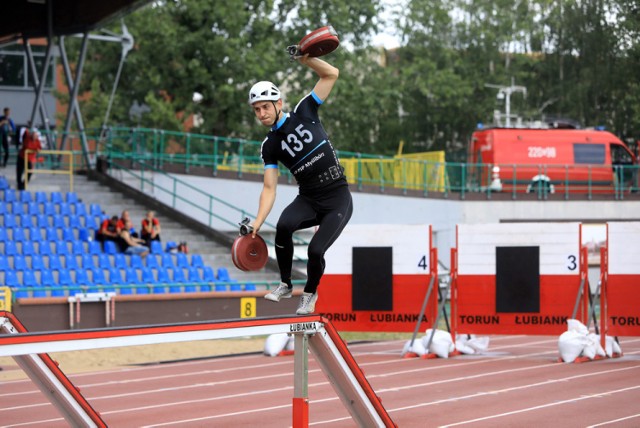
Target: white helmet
[{"x": 264, "y": 91}]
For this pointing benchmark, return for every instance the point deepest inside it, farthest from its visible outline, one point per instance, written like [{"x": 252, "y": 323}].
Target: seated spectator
[
  {"x": 109, "y": 231},
  {"x": 31, "y": 142},
  {"x": 150, "y": 228},
  {"x": 124, "y": 218},
  {"x": 129, "y": 244}
]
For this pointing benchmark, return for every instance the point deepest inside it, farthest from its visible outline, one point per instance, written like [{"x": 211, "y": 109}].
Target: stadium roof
[{"x": 40, "y": 18}]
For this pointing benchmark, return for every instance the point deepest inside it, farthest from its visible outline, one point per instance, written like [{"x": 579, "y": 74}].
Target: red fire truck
[{"x": 551, "y": 161}]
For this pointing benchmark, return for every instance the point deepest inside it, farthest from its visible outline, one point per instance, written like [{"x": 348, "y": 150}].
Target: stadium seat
[
  {"x": 98, "y": 276},
  {"x": 64, "y": 280},
  {"x": 17, "y": 208},
  {"x": 26, "y": 220},
  {"x": 56, "y": 197},
  {"x": 37, "y": 262},
  {"x": 83, "y": 280},
  {"x": 11, "y": 278},
  {"x": 10, "y": 248},
  {"x": 3, "y": 234},
  {"x": 49, "y": 209},
  {"x": 71, "y": 262},
  {"x": 68, "y": 234},
  {"x": 28, "y": 249},
  {"x": 194, "y": 275},
  {"x": 18, "y": 234},
  {"x": 71, "y": 197},
  {"x": 104, "y": 261},
  {"x": 94, "y": 248},
  {"x": 131, "y": 277},
  {"x": 33, "y": 208},
  {"x": 3, "y": 207},
  {"x": 250, "y": 287},
  {"x": 10, "y": 220},
  {"x": 182, "y": 261},
  {"x": 151, "y": 261},
  {"x": 41, "y": 197},
  {"x": 4, "y": 184},
  {"x": 110, "y": 247},
  {"x": 19, "y": 262},
  {"x": 9, "y": 195},
  {"x": 196, "y": 261},
  {"x": 51, "y": 234},
  {"x": 74, "y": 222},
  {"x": 54, "y": 262},
  {"x": 64, "y": 209},
  {"x": 35, "y": 234},
  {"x": 62, "y": 248},
  {"x": 223, "y": 274},
  {"x": 84, "y": 234},
  {"x": 4, "y": 263},
  {"x": 235, "y": 286},
  {"x": 120, "y": 261},
  {"x": 25, "y": 196},
  {"x": 77, "y": 247},
  {"x": 167, "y": 261},
  {"x": 179, "y": 280},
  {"x": 207, "y": 274},
  {"x": 163, "y": 278},
  {"x": 136, "y": 261},
  {"x": 221, "y": 287},
  {"x": 115, "y": 278},
  {"x": 156, "y": 247},
  {"x": 95, "y": 210},
  {"x": 87, "y": 261},
  {"x": 44, "y": 248},
  {"x": 29, "y": 280},
  {"x": 80, "y": 209},
  {"x": 147, "y": 276},
  {"x": 46, "y": 278},
  {"x": 58, "y": 221},
  {"x": 42, "y": 220}
]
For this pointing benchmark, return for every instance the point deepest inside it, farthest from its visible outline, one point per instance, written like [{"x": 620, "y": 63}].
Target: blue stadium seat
[
  {"x": 10, "y": 248},
  {"x": 156, "y": 247},
  {"x": 64, "y": 209},
  {"x": 85, "y": 235},
  {"x": 83, "y": 280},
  {"x": 41, "y": 197},
  {"x": 250, "y": 287},
  {"x": 223, "y": 274},
  {"x": 54, "y": 262},
  {"x": 49, "y": 209},
  {"x": 25, "y": 196},
  {"x": 131, "y": 278},
  {"x": 194, "y": 280},
  {"x": 163, "y": 278},
  {"x": 136, "y": 261},
  {"x": 9, "y": 195},
  {"x": 74, "y": 222},
  {"x": 110, "y": 247},
  {"x": 207, "y": 274},
  {"x": 94, "y": 248},
  {"x": 151, "y": 261},
  {"x": 115, "y": 278},
  {"x": 33, "y": 208},
  {"x": 29, "y": 280},
  {"x": 222, "y": 287},
  {"x": 3, "y": 234},
  {"x": 11, "y": 278},
  {"x": 196, "y": 261},
  {"x": 68, "y": 234},
  {"x": 37, "y": 262},
  {"x": 18, "y": 234},
  {"x": 51, "y": 234},
  {"x": 58, "y": 221},
  {"x": 194, "y": 274},
  {"x": 71, "y": 262},
  {"x": 19, "y": 262},
  {"x": 42, "y": 220},
  {"x": 3, "y": 207},
  {"x": 77, "y": 247},
  {"x": 235, "y": 286},
  {"x": 4, "y": 263},
  {"x": 177, "y": 281},
  {"x": 182, "y": 261},
  {"x": 28, "y": 249},
  {"x": 167, "y": 261},
  {"x": 95, "y": 210},
  {"x": 4, "y": 184},
  {"x": 44, "y": 248},
  {"x": 46, "y": 278},
  {"x": 98, "y": 276},
  {"x": 26, "y": 220},
  {"x": 56, "y": 197},
  {"x": 35, "y": 234},
  {"x": 17, "y": 208},
  {"x": 71, "y": 197},
  {"x": 87, "y": 261},
  {"x": 80, "y": 209},
  {"x": 64, "y": 280},
  {"x": 104, "y": 261},
  {"x": 10, "y": 220},
  {"x": 120, "y": 261},
  {"x": 147, "y": 276},
  {"x": 62, "y": 248}
]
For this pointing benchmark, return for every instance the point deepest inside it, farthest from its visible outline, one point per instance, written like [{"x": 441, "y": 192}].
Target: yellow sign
[
  {"x": 248, "y": 307},
  {"x": 5, "y": 299}
]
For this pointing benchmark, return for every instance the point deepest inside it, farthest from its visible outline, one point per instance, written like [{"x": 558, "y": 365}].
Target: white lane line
[{"x": 601, "y": 424}]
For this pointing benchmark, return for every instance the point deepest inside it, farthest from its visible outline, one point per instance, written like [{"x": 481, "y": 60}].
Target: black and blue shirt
[{"x": 301, "y": 144}]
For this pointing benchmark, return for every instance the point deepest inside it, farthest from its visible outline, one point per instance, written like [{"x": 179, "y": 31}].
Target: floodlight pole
[{"x": 506, "y": 91}]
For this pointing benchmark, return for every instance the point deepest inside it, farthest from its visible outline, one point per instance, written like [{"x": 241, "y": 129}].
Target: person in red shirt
[
  {"x": 150, "y": 230},
  {"x": 31, "y": 141},
  {"x": 109, "y": 231}
]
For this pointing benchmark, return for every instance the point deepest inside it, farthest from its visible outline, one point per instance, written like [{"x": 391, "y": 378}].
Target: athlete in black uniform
[{"x": 298, "y": 141}]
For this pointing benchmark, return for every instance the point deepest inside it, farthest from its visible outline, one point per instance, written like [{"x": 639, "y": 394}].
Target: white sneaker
[
  {"x": 307, "y": 303},
  {"x": 282, "y": 292}
]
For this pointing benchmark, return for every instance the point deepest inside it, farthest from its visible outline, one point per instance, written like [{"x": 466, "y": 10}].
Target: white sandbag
[
  {"x": 275, "y": 343},
  {"x": 291, "y": 344},
  {"x": 442, "y": 343},
  {"x": 479, "y": 344},
  {"x": 464, "y": 348},
  {"x": 595, "y": 340},
  {"x": 417, "y": 348},
  {"x": 589, "y": 350},
  {"x": 577, "y": 326},
  {"x": 611, "y": 347},
  {"x": 571, "y": 344}
]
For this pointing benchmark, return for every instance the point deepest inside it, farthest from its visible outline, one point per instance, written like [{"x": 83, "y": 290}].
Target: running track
[{"x": 518, "y": 382}]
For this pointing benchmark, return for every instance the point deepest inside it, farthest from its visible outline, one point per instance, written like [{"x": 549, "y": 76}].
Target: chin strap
[{"x": 277, "y": 114}]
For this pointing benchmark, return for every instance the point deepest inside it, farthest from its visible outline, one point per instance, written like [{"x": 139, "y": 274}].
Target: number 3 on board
[{"x": 248, "y": 307}]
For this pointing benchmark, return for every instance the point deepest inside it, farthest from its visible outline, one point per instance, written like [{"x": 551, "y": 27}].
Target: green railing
[{"x": 409, "y": 174}]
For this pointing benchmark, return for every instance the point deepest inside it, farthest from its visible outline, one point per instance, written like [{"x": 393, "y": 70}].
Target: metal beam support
[
  {"x": 73, "y": 103},
  {"x": 41, "y": 83},
  {"x": 44, "y": 114}
]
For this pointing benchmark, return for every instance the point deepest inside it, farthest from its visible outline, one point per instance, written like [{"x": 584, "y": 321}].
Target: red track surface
[{"x": 516, "y": 383}]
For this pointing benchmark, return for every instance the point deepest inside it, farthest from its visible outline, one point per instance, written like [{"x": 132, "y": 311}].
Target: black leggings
[{"x": 330, "y": 212}]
